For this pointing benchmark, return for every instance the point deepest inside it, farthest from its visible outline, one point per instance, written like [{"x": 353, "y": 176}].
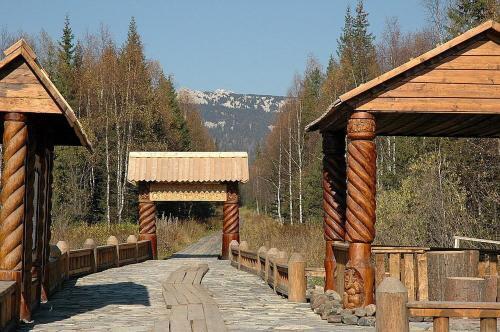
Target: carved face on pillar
[
  {"x": 354, "y": 289},
  {"x": 361, "y": 125}
]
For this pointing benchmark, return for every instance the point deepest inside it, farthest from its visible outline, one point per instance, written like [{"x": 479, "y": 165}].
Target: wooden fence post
[
  {"x": 391, "y": 299},
  {"x": 233, "y": 245},
  {"x": 64, "y": 247},
  {"x": 280, "y": 258},
  {"x": 297, "y": 282},
  {"x": 90, "y": 244},
  {"x": 113, "y": 241},
  {"x": 133, "y": 239},
  {"x": 244, "y": 246},
  {"x": 262, "y": 251},
  {"x": 269, "y": 256}
]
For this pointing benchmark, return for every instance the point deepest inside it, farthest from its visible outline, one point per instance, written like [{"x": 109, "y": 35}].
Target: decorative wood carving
[
  {"x": 334, "y": 198},
  {"x": 184, "y": 192},
  {"x": 231, "y": 224},
  {"x": 360, "y": 214},
  {"x": 15, "y": 138},
  {"x": 147, "y": 218}
]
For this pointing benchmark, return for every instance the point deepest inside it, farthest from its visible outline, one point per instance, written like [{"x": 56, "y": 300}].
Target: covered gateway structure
[
  {"x": 188, "y": 176},
  {"x": 34, "y": 118},
  {"x": 450, "y": 91}
]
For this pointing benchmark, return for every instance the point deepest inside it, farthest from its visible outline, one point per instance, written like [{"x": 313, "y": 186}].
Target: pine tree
[
  {"x": 64, "y": 78},
  {"x": 67, "y": 47},
  {"x": 466, "y": 14},
  {"x": 178, "y": 123}
]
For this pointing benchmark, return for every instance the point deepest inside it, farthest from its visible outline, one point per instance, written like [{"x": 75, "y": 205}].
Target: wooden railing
[
  {"x": 409, "y": 265},
  {"x": 394, "y": 310},
  {"x": 286, "y": 276},
  {"x": 9, "y": 305},
  {"x": 65, "y": 263}
]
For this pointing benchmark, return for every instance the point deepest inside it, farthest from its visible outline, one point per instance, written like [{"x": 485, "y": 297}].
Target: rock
[
  {"x": 349, "y": 319},
  {"x": 309, "y": 293},
  {"x": 347, "y": 311},
  {"x": 360, "y": 312},
  {"x": 318, "y": 300},
  {"x": 319, "y": 289},
  {"x": 371, "y": 309},
  {"x": 333, "y": 295},
  {"x": 366, "y": 321},
  {"x": 334, "y": 319},
  {"x": 328, "y": 308},
  {"x": 416, "y": 319}
]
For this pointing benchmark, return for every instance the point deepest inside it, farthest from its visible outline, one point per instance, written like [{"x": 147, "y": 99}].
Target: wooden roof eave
[
  {"x": 21, "y": 48},
  {"x": 350, "y": 99}
]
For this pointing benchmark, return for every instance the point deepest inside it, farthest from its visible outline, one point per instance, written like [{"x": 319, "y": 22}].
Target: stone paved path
[{"x": 130, "y": 299}]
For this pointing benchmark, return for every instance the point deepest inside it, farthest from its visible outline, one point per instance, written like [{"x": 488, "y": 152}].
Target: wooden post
[
  {"x": 232, "y": 245},
  {"x": 231, "y": 224},
  {"x": 360, "y": 215},
  {"x": 464, "y": 289},
  {"x": 488, "y": 325},
  {"x": 262, "y": 251},
  {"x": 280, "y": 258},
  {"x": 113, "y": 241},
  {"x": 64, "y": 248},
  {"x": 12, "y": 200},
  {"x": 133, "y": 239},
  {"x": 147, "y": 218},
  {"x": 243, "y": 246},
  {"x": 334, "y": 200},
  {"x": 392, "y": 314},
  {"x": 90, "y": 244},
  {"x": 441, "y": 324},
  {"x": 297, "y": 282},
  {"x": 49, "y": 161},
  {"x": 269, "y": 256}
]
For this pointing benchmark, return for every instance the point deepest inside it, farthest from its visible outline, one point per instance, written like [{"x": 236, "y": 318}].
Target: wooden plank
[
  {"x": 181, "y": 299},
  {"x": 161, "y": 325},
  {"x": 409, "y": 274},
  {"x": 379, "y": 268},
  {"x": 190, "y": 276},
  {"x": 394, "y": 266},
  {"x": 203, "y": 294},
  {"x": 488, "y": 62},
  {"x": 202, "y": 270},
  {"x": 40, "y": 105},
  {"x": 469, "y": 313},
  {"x": 190, "y": 297},
  {"x": 446, "y": 90},
  {"x": 20, "y": 75},
  {"x": 199, "y": 325},
  {"x": 169, "y": 296},
  {"x": 494, "y": 306},
  {"x": 483, "y": 47},
  {"x": 20, "y": 90},
  {"x": 423, "y": 278},
  {"x": 457, "y": 76},
  {"x": 178, "y": 319},
  {"x": 195, "y": 311},
  {"x": 214, "y": 320},
  {"x": 432, "y": 105}
]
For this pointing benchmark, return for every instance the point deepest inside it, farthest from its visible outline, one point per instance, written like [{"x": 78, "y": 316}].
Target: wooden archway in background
[
  {"x": 450, "y": 91},
  {"x": 188, "y": 176}
]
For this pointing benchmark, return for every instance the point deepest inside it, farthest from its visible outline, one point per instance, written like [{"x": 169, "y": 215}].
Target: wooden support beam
[
  {"x": 147, "y": 218},
  {"x": 360, "y": 216},
  {"x": 334, "y": 199},
  {"x": 231, "y": 223},
  {"x": 49, "y": 161}
]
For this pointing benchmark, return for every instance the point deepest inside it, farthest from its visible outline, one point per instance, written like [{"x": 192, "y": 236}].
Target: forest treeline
[
  {"x": 125, "y": 103},
  {"x": 428, "y": 189}
]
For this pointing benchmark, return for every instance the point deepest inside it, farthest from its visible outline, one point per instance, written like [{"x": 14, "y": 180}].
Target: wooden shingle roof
[
  {"x": 453, "y": 90},
  {"x": 26, "y": 88},
  {"x": 188, "y": 167}
]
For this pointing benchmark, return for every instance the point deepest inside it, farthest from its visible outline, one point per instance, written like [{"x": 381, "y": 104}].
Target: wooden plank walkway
[{"x": 130, "y": 299}]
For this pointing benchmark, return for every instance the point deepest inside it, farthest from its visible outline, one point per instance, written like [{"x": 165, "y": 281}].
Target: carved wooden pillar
[
  {"x": 360, "y": 222},
  {"x": 13, "y": 202},
  {"x": 147, "y": 218},
  {"x": 49, "y": 165},
  {"x": 231, "y": 224},
  {"x": 334, "y": 199}
]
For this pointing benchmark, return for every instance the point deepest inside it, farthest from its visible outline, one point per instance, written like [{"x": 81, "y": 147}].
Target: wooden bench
[{"x": 189, "y": 306}]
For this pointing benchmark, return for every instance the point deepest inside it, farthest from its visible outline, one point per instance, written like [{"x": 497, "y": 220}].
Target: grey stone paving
[{"x": 129, "y": 298}]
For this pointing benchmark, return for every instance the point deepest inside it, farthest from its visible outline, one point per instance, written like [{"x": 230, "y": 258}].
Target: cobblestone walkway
[{"x": 130, "y": 299}]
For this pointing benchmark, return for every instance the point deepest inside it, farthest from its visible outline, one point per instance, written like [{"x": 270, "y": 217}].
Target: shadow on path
[
  {"x": 74, "y": 299},
  {"x": 186, "y": 255}
]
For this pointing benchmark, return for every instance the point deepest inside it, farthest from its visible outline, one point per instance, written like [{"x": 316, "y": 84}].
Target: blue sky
[{"x": 244, "y": 46}]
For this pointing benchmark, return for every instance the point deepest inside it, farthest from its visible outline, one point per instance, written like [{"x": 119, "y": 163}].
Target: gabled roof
[
  {"x": 351, "y": 99},
  {"x": 22, "y": 50},
  {"x": 188, "y": 167}
]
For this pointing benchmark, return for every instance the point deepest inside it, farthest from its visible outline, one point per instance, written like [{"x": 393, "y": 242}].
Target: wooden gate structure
[
  {"x": 34, "y": 118},
  {"x": 188, "y": 176},
  {"x": 450, "y": 91}
]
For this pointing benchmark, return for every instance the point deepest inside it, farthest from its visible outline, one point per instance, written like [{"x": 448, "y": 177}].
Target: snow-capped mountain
[{"x": 238, "y": 122}]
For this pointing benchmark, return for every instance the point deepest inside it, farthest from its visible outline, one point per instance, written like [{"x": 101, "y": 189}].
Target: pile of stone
[{"x": 329, "y": 306}]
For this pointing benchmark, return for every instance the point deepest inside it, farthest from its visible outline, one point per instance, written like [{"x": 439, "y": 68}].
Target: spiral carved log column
[
  {"x": 49, "y": 164},
  {"x": 147, "y": 218},
  {"x": 12, "y": 198},
  {"x": 334, "y": 199},
  {"x": 231, "y": 224},
  {"x": 360, "y": 222}
]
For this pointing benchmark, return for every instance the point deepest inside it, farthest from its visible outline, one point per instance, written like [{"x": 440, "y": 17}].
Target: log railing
[
  {"x": 65, "y": 263},
  {"x": 394, "y": 310},
  {"x": 9, "y": 306},
  {"x": 286, "y": 276}
]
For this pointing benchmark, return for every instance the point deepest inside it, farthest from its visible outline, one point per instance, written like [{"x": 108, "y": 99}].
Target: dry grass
[
  {"x": 172, "y": 235},
  {"x": 307, "y": 239}
]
